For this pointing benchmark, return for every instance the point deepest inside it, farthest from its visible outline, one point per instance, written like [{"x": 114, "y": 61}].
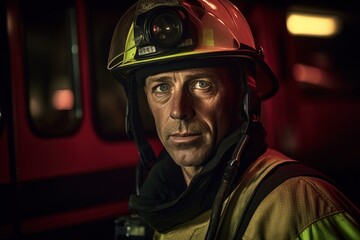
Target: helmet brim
[{"x": 266, "y": 81}]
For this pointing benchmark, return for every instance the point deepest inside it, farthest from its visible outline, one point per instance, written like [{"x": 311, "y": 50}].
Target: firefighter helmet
[{"x": 157, "y": 32}]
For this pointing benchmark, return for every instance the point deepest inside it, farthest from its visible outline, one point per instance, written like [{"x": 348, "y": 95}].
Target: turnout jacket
[{"x": 300, "y": 208}]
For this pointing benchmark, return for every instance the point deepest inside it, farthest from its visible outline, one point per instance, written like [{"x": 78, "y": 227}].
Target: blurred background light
[
  {"x": 315, "y": 25},
  {"x": 63, "y": 99},
  {"x": 313, "y": 75}
]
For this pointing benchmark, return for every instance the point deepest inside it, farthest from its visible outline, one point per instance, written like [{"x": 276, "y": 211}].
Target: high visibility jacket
[{"x": 300, "y": 208}]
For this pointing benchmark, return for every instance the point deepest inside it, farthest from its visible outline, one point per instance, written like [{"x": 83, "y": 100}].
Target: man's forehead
[{"x": 186, "y": 72}]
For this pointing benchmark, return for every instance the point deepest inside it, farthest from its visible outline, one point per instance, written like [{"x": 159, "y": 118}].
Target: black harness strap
[{"x": 277, "y": 176}]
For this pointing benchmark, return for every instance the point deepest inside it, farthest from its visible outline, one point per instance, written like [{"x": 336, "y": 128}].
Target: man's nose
[{"x": 182, "y": 106}]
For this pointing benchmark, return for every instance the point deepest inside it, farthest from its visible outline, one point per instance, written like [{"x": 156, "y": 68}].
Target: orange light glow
[
  {"x": 313, "y": 75},
  {"x": 63, "y": 99}
]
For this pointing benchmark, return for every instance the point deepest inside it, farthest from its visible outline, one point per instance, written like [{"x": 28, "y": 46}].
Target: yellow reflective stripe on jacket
[{"x": 337, "y": 226}]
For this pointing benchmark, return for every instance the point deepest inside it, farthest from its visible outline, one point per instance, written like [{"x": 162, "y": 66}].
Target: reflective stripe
[{"x": 337, "y": 226}]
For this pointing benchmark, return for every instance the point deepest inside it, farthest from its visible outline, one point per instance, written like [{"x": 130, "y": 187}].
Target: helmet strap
[{"x": 135, "y": 130}]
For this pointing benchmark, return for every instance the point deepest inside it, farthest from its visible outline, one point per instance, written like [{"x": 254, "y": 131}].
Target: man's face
[{"x": 193, "y": 111}]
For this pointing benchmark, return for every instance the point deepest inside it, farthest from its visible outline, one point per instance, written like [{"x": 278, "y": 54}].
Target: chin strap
[{"x": 135, "y": 130}]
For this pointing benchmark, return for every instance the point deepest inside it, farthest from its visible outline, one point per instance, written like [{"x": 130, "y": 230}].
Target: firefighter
[{"x": 204, "y": 81}]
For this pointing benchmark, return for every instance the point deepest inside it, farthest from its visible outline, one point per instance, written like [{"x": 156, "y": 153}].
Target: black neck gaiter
[{"x": 164, "y": 199}]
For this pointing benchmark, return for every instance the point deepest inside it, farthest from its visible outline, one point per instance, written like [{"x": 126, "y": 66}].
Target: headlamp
[
  {"x": 166, "y": 29},
  {"x": 163, "y": 31}
]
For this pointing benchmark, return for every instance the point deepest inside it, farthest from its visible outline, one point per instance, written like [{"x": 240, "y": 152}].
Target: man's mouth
[{"x": 184, "y": 137}]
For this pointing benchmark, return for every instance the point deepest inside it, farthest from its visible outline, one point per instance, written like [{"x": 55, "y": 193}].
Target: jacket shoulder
[{"x": 297, "y": 204}]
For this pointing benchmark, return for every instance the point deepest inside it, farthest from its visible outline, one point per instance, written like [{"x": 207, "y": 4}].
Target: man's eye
[
  {"x": 161, "y": 88},
  {"x": 201, "y": 85}
]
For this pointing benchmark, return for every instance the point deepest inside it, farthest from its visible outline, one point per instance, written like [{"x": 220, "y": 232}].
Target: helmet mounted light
[{"x": 161, "y": 31}]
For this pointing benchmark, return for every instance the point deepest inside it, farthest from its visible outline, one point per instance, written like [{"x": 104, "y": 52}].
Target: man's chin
[{"x": 188, "y": 157}]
